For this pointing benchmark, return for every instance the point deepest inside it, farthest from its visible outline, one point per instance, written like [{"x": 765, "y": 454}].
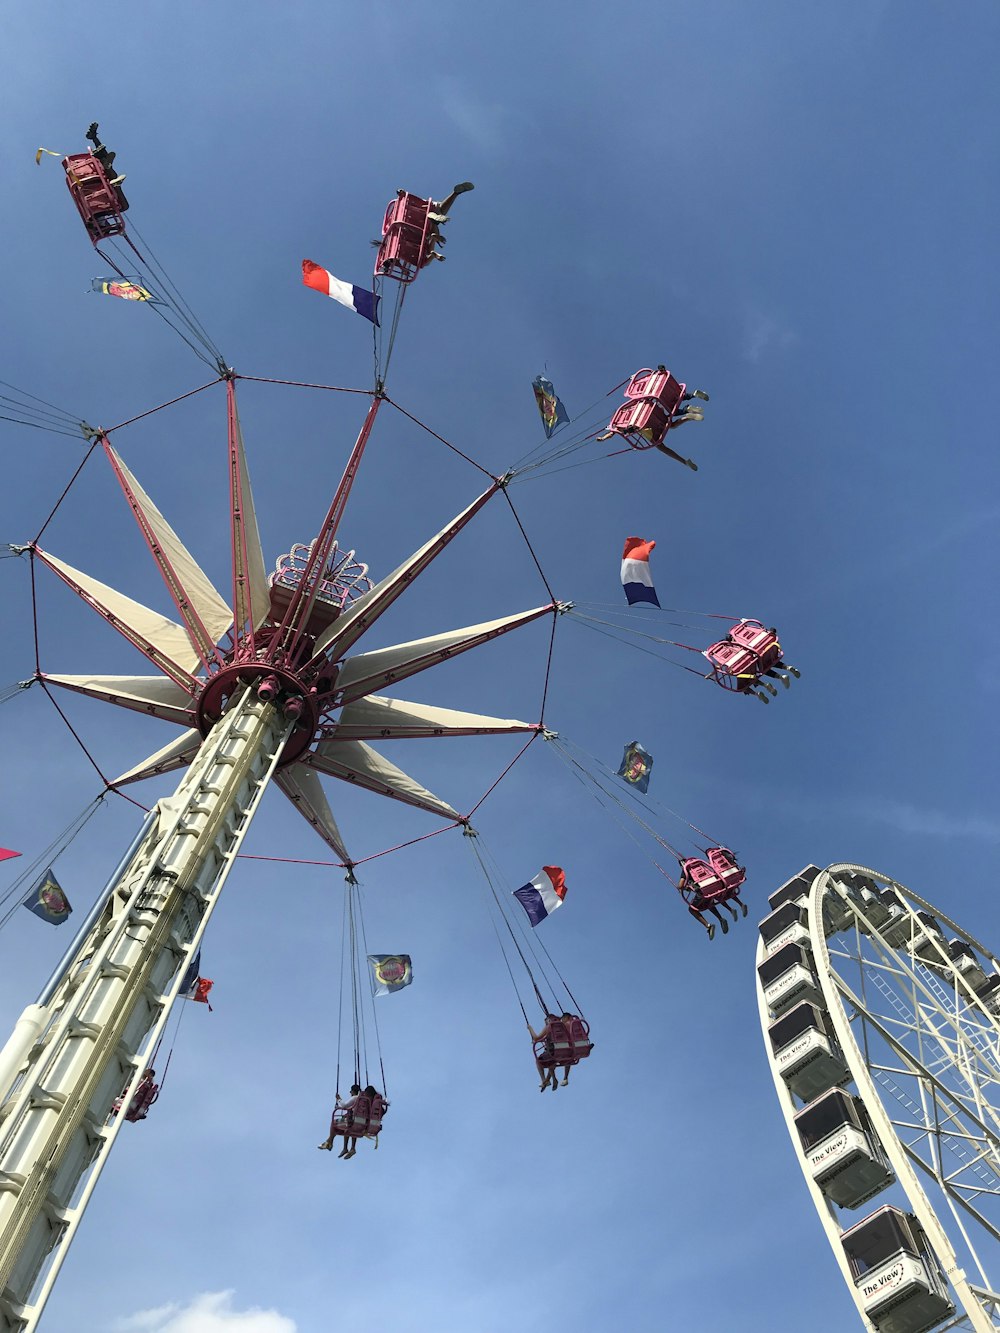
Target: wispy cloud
[
  {"x": 764, "y": 335},
  {"x": 857, "y": 808},
  {"x": 211, "y": 1312},
  {"x": 482, "y": 121}
]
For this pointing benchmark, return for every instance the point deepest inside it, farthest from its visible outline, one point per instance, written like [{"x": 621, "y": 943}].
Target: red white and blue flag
[
  {"x": 358, "y": 299},
  {"x": 542, "y": 895},
  {"x": 636, "y": 578},
  {"x": 194, "y": 986}
]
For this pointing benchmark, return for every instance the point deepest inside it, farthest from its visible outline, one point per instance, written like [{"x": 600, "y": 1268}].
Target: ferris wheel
[{"x": 881, "y": 1019}]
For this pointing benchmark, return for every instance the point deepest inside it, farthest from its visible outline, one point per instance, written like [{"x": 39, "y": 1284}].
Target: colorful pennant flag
[
  {"x": 128, "y": 291},
  {"x": 6, "y": 854},
  {"x": 46, "y": 899},
  {"x": 550, "y": 406},
  {"x": 635, "y": 766},
  {"x": 390, "y": 971},
  {"x": 541, "y": 896},
  {"x": 358, "y": 299},
  {"x": 636, "y": 578},
  {"x": 195, "y": 987}
]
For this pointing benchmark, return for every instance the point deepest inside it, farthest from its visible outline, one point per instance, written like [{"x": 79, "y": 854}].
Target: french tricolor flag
[
  {"x": 358, "y": 299},
  {"x": 636, "y": 578},
  {"x": 543, "y": 894}
]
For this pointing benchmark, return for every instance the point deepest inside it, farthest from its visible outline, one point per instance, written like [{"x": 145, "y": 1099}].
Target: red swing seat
[
  {"x": 142, "y": 1099},
  {"x": 407, "y": 237},
  {"x": 652, "y": 399},
  {"x": 705, "y": 884},
  {"x": 363, "y": 1120},
  {"x": 747, "y": 651},
  {"x": 555, "y": 1048},
  {"x": 98, "y": 202},
  {"x": 724, "y": 863}
]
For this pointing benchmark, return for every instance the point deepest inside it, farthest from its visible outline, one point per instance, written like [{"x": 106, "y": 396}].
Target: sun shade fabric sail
[
  {"x": 178, "y": 754},
  {"x": 353, "y": 761},
  {"x": 369, "y": 671},
  {"x": 168, "y": 638},
  {"x": 305, "y": 791},
  {"x": 350, "y": 626},
  {"x": 157, "y": 695},
  {"x": 378, "y": 718},
  {"x": 195, "y": 585},
  {"x": 246, "y": 524}
]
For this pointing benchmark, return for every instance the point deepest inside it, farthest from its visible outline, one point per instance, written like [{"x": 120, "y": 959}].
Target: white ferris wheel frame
[{"x": 950, "y": 1020}]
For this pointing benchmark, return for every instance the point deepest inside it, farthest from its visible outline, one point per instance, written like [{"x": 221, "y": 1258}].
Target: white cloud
[
  {"x": 485, "y": 123},
  {"x": 212, "y": 1312},
  {"x": 763, "y": 336}
]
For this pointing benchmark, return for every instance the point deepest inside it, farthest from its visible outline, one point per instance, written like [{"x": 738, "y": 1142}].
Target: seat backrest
[
  {"x": 731, "y": 658},
  {"x": 724, "y": 863},
  {"x": 560, "y": 1040},
  {"x": 375, "y": 1113},
  {"x": 580, "y": 1036},
  {"x": 699, "y": 872},
  {"x": 360, "y": 1114}
]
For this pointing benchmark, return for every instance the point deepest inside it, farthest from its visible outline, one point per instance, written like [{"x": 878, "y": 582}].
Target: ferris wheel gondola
[{"x": 881, "y": 1020}]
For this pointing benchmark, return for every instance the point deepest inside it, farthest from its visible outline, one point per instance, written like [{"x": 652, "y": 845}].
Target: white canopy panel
[
  {"x": 365, "y": 611},
  {"x": 376, "y": 718},
  {"x": 353, "y": 761},
  {"x": 245, "y": 523},
  {"x": 166, "y": 636},
  {"x": 213, "y": 612},
  {"x": 178, "y": 754},
  {"x": 157, "y": 695},
  {"x": 374, "y": 670},
  {"x": 304, "y": 789}
]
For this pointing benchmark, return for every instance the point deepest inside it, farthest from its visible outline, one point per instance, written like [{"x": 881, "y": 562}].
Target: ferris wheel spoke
[
  {"x": 158, "y": 696},
  {"x": 356, "y": 762},
  {"x": 385, "y": 666},
  {"x": 178, "y": 754},
  {"x": 379, "y": 718},
  {"x": 305, "y": 791},
  {"x": 204, "y": 613}
]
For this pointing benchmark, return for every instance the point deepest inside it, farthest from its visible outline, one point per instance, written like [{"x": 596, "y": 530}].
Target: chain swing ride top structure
[
  {"x": 881, "y": 1021},
  {"x": 269, "y": 687}
]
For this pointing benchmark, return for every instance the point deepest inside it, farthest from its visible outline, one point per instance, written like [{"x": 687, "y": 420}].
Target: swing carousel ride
[{"x": 273, "y": 684}]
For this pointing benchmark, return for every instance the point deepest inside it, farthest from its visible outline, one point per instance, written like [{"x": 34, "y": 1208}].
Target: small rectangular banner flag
[
  {"x": 390, "y": 971},
  {"x": 46, "y": 899},
  {"x": 636, "y": 578},
  {"x": 195, "y": 987},
  {"x": 552, "y": 411},
  {"x": 128, "y": 291},
  {"x": 358, "y": 299},
  {"x": 635, "y": 766},
  {"x": 6, "y": 854},
  {"x": 543, "y": 894}
]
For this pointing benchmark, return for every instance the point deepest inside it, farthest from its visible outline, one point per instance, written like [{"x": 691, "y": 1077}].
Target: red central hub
[{"x": 214, "y": 697}]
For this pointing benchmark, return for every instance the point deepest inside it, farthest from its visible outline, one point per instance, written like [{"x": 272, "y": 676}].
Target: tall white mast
[{"x": 98, "y": 1027}]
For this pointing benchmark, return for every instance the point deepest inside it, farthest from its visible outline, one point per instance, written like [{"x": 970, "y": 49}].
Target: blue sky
[{"x": 792, "y": 207}]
